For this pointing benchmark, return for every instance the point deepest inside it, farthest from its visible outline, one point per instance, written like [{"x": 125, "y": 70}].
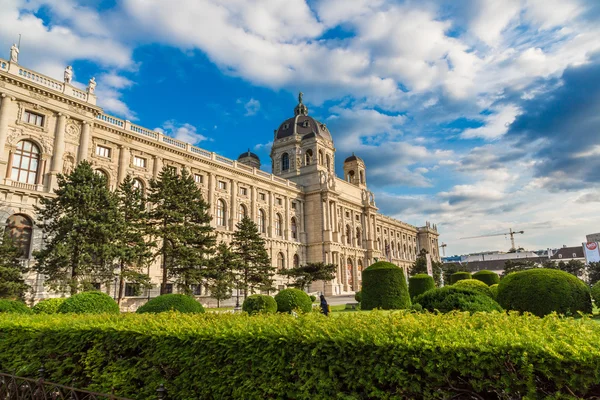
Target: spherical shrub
[
  {"x": 358, "y": 296},
  {"x": 260, "y": 304},
  {"x": 172, "y": 302},
  {"x": 48, "y": 306},
  {"x": 459, "y": 276},
  {"x": 419, "y": 284},
  {"x": 13, "y": 306},
  {"x": 451, "y": 298},
  {"x": 89, "y": 303},
  {"x": 541, "y": 291},
  {"x": 488, "y": 277},
  {"x": 384, "y": 286},
  {"x": 313, "y": 298},
  {"x": 289, "y": 300},
  {"x": 494, "y": 290},
  {"x": 596, "y": 293},
  {"x": 474, "y": 285}
]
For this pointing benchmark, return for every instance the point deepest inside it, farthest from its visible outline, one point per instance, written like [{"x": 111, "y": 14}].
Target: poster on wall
[{"x": 591, "y": 251}]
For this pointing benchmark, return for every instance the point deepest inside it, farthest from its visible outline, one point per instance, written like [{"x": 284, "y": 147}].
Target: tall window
[
  {"x": 296, "y": 261},
  {"x": 33, "y": 118},
  {"x": 328, "y": 162},
  {"x": 261, "y": 221},
  {"x": 220, "y": 213},
  {"x": 241, "y": 212},
  {"x": 103, "y": 151},
  {"x": 285, "y": 162},
  {"x": 280, "y": 261},
  {"x": 358, "y": 238},
  {"x": 278, "y": 223},
  {"x": 320, "y": 157},
  {"x": 19, "y": 228},
  {"x": 348, "y": 234},
  {"x": 26, "y": 161},
  {"x": 351, "y": 176},
  {"x": 308, "y": 157},
  {"x": 294, "y": 229},
  {"x": 362, "y": 177}
]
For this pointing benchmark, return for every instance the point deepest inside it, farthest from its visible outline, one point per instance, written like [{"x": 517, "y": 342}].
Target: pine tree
[
  {"x": 134, "y": 248},
  {"x": 304, "y": 275},
  {"x": 255, "y": 269},
  {"x": 420, "y": 267},
  {"x": 12, "y": 269},
  {"x": 79, "y": 226},
  {"x": 180, "y": 220},
  {"x": 222, "y": 273}
]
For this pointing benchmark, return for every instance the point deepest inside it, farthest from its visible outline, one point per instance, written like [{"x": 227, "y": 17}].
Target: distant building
[
  {"x": 568, "y": 253},
  {"x": 593, "y": 237}
]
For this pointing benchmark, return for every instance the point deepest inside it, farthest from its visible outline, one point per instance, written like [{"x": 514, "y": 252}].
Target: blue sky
[{"x": 478, "y": 115}]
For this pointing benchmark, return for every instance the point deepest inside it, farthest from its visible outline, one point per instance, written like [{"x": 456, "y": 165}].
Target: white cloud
[
  {"x": 252, "y": 106},
  {"x": 496, "y": 124},
  {"x": 492, "y": 17},
  {"x": 182, "y": 131}
]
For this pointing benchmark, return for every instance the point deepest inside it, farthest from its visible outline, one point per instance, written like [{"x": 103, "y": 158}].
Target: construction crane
[
  {"x": 510, "y": 232},
  {"x": 443, "y": 247}
]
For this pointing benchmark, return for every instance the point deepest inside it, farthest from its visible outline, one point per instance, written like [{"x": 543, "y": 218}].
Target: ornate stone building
[{"x": 305, "y": 212}]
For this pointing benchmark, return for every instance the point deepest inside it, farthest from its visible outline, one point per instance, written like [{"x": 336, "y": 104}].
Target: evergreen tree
[
  {"x": 449, "y": 269},
  {"x": 12, "y": 269},
  {"x": 134, "y": 249},
  {"x": 304, "y": 275},
  {"x": 517, "y": 265},
  {"x": 255, "y": 269},
  {"x": 573, "y": 267},
  {"x": 420, "y": 267},
  {"x": 593, "y": 272},
  {"x": 79, "y": 224},
  {"x": 222, "y": 273},
  {"x": 180, "y": 220}
]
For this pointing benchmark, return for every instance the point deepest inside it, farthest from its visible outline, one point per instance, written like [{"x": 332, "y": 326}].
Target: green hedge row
[{"x": 226, "y": 356}]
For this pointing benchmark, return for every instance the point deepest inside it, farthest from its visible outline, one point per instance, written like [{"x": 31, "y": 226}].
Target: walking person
[{"x": 324, "y": 306}]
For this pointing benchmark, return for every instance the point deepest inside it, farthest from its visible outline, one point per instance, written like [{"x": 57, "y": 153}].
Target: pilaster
[
  {"x": 5, "y": 112},
  {"x": 59, "y": 149},
  {"x": 84, "y": 142}
]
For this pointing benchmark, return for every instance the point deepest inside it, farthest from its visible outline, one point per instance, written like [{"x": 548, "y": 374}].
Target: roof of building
[
  {"x": 353, "y": 157},
  {"x": 495, "y": 265},
  {"x": 248, "y": 154},
  {"x": 569, "y": 252},
  {"x": 302, "y": 124}
]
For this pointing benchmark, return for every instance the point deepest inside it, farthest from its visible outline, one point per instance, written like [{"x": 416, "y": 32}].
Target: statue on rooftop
[
  {"x": 91, "y": 86},
  {"x": 68, "y": 74},
  {"x": 300, "y": 97},
  {"x": 14, "y": 54}
]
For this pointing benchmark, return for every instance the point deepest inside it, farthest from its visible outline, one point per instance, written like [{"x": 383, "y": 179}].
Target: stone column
[
  {"x": 156, "y": 166},
  {"x": 286, "y": 224},
  {"x": 123, "y": 162},
  {"x": 270, "y": 217},
  {"x": 5, "y": 110},
  {"x": 252, "y": 213},
  {"x": 59, "y": 149},
  {"x": 233, "y": 205},
  {"x": 84, "y": 142}
]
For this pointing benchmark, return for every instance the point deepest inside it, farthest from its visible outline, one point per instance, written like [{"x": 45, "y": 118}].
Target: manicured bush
[
  {"x": 494, "y": 290},
  {"x": 89, "y": 303},
  {"x": 358, "y": 296},
  {"x": 459, "y": 276},
  {"x": 313, "y": 298},
  {"x": 13, "y": 307},
  {"x": 384, "y": 286},
  {"x": 172, "y": 302},
  {"x": 451, "y": 298},
  {"x": 488, "y": 277},
  {"x": 48, "y": 306},
  {"x": 259, "y": 303},
  {"x": 289, "y": 300},
  {"x": 474, "y": 285},
  {"x": 541, "y": 291},
  {"x": 398, "y": 355},
  {"x": 596, "y": 293},
  {"x": 419, "y": 284}
]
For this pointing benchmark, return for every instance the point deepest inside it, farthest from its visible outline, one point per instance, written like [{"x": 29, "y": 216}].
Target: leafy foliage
[
  {"x": 593, "y": 272},
  {"x": 596, "y": 293},
  {"x": 384, "y": 286},
  {"x": 304, "y": 275},
  {"x": 488, "y": 277},
  {"x": 259, "y": 303},
  {"x": 48, "y": 306},
  {"x": 12, "y": 284},
  {"x": 542, "y": 291},
  {"x": 358, "y": 296},
  {"x": 289, "y": 300},
  {"x": 419, "y": 284},
  {"x": 494, "y": 291},
  {"x": 172, "y": 302},
  {"x": 511, "y": 266},
  {"x": 420, "y": 267},
  {"x": 89, "y": 303},
  {"x": 458, "y": 276},
  {"x": 573, "y": 267},
  {"x": 475, "y": 285},
  {"x": 13, "y": 307},
  {"x": 450, "y": 298},
  {"x": 448, "y": 270},
  {"x": 221, "y": 273}
]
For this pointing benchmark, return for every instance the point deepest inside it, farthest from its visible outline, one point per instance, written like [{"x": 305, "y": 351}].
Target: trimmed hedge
[
  {"x": 13, "y": 307},
  {"x": 459, "y": 276},
  {"x": 259, "y": 303},
  {"x": 474, "y": 285},
  {"x": 596, "y": 293},
  {"x": 419, "y": 284},
  {"x": 450, "y": 298},
  {"x": 488, "y": 277},
  {"x": 398, "y": 355},
  {"x": 89, "y": 303},
  {"x": 494, "y": 290},
  {"x": 358, "y": 296},
  {"x": 313, "y": 298},
  {"x": 172, "y": 302},
  {"x": 289, "y": 300},
  {"x": 384, "y": 286},
  {"x": 542, "y": 291},
  {"x": 48, "y": 306}
]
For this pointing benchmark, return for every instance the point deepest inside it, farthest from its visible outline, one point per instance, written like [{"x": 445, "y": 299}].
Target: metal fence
[{"x": 14, "y": 387}]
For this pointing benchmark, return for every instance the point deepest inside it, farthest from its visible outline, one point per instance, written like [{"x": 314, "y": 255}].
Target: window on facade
[
  {"x": 262, "y": 222},
  {"x": 379, "y": 244},
  {"x": 362, "y": 177},
  {"x": 132, "y": 289},
  {"x": 168, "y": 288},
  {"x": 19, "y": 228},
  {"x": 138, "y": 184},
  {"x": 243, "y": 191},
  {"x": 198, "y": 178},
  {"x": 293, "y": 205},
  {"x": 196, "y": 290},
  {"x": 103, "y": 174},
  {"x": 96, "y": 285},
  {"x": 262, "y": 196},
  {"x": 139, "y": 162},
  {"x": 33, "y": 118},
  {"x": 280, "y": 261},
  {"x": 294, "y": 229},
  {"x": 285, "y": 162},
  {"x": 102, "y": 151},
  {"x": 328, "y": 162},
  {"x": 220, "y": 213},
  {"x": 278, "y": 223},
  {"x": 348, "y": 234},
  {"x": 320, "y": 157},
  {"x": 358, "y": 238},
  {"x": 357, "y": 218},
  {"x": 350, "y": 176},
  {"x": 308, "y": 156},
  {"x": 296, "y": 261},
  {"x": 222, "y": 185},
  {"x": 25, "y": 163},
  {"x": 560, "y": 256},
  {"x": 347, "y": 214},
  {"x": 279, "y": 201},
  {"x": 242, "y": 212}
]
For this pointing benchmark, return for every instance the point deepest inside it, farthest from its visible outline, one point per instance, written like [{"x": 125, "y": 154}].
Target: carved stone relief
[{"x": 72, "y": 131}]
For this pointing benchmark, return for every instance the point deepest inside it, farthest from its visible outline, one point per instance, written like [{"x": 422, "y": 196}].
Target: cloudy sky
[{"x": 478, "y": 115}]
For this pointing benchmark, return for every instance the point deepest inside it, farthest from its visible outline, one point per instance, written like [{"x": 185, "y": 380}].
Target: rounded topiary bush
[
  {"x": 541, "y": 291},
  {"x": 289, "y": 300},
  {"x": 384, "y": 286},
  {"x": 172, "y": 302},
  {"x": 488, "y": 277},
  {"x": 13, "y": 306},
  {"x": 596, "y": 293},
  {"x": 451, "y": 298},
  {"x": 313, "y": 298},
  {"x": 419, "y": 284},
  {"x": 358, "y": 296},
  {"x": 474, "y": 285},
  {"x": 259, "y": 304},
  {"x": 459, "y": 276},
  {"x": 89, "y": 303},
  {"x": 48, "y": 306},
  {"x": 494, "y": 290}
]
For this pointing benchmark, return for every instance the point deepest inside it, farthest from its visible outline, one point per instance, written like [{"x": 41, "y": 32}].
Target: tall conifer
[
  {"x": 12, "y": 269},
  {"x": 222, "y": 273}
]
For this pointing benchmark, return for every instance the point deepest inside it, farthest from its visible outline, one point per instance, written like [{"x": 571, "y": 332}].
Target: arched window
[
  {"x": 379, "y": 244},
  {"x": 320, "y": 157},
  {"x": 328, "y": 162},
  {"x": 19, "y": 228},
  {"x": 294, "y": 229},
  {"x": 348, "y": 234},
  {"x": 103, "y": 174},
  {"x": 308, "y": 157},
  {"x": 261, "y": 222},
  {"x": 221, "y": 210},
  {"x": 278, "y": 223},
  {"x": 296, "y": 261},
  {"x": 242, "y": 212},
  {"x": 386, "y": 248},
  {"x": 285, "y": 162},
  {"x": 138, "y": 185},
  {"x": 280, "y": 261},
  {"x": 359, "y": 267},
  {"x": 362, "y": 177},
  {"x": 351, "y": 176},
  {"x": 349, "y": 274},
  {"x": 405, "y": 254},
  {"x": 393, "y": 250},
  {"x": 25, "y": 163}
]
